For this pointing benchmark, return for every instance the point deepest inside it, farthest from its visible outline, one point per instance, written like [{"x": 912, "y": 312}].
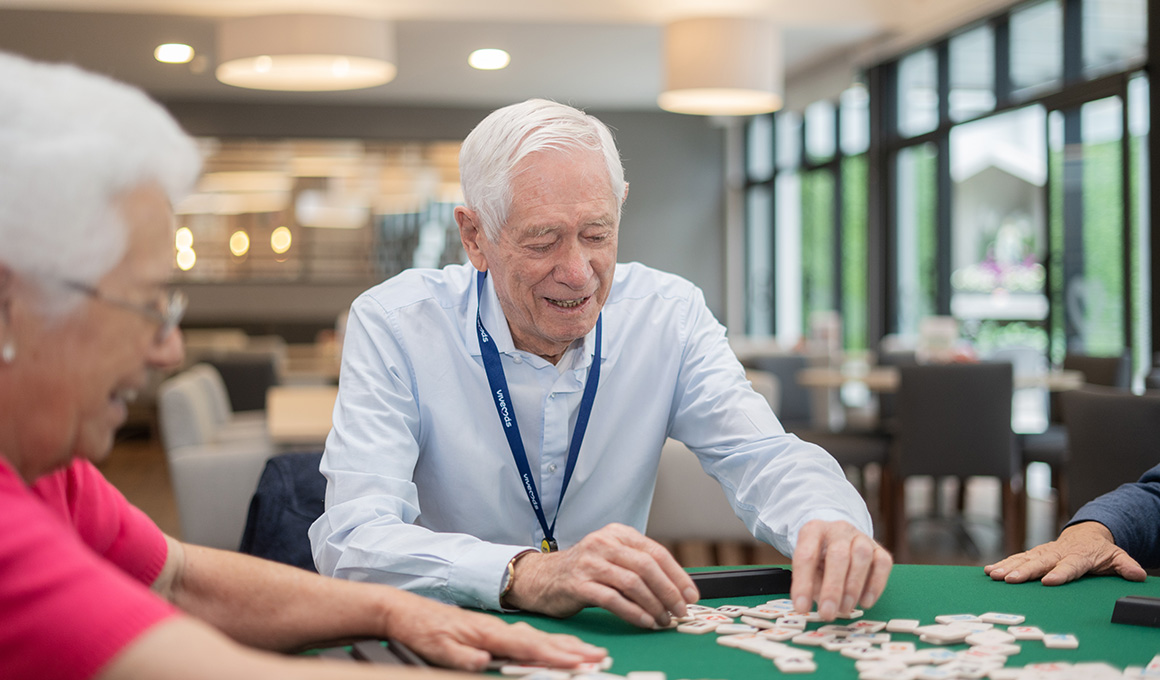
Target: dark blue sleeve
[{"x": 1132, "y": 514}]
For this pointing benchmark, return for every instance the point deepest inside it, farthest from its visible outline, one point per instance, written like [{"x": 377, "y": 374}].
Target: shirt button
[
  {"x": 552, "y": 467},
  {"x": 518, "y": 359},
  {"x": 552, "y": 395}
]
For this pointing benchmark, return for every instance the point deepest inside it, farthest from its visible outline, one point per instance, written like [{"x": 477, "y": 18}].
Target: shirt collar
[{"x": 497, "y": 326}]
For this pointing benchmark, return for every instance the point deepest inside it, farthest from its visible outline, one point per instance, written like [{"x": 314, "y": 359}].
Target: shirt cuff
[
  {"x": 477, "y": 576},
  {"x": 863, "y": 524}
]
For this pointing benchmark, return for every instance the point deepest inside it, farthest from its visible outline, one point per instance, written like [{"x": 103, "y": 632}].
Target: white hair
[
  {"x": 490, "y": 154},
  {"x": 71, "y": 144}
]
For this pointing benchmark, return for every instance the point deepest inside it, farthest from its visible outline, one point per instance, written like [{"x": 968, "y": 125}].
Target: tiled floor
[{"x": 137, "y": 467}]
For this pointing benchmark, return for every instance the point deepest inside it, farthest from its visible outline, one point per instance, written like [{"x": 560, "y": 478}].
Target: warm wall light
[
  {"x": 186, "y": 258},
  {"x": 722, "y": 67},
  {"x": 489, "y": 59},
  {"x": 305, "y": 52},
  {"x": 280, "y": 240},
  {"x": 173, "y": 53},
  {"x": 239, "y": 243},
  {"x": 183, "y": 238}
]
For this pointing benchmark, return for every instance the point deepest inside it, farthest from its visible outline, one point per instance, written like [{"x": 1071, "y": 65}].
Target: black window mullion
[
  {"x": 944, "y": 188},
  {"x": 1002, "y": 28}
]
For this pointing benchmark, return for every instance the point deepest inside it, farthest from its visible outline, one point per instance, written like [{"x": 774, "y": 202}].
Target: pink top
[{"x": 76, "y": 560}]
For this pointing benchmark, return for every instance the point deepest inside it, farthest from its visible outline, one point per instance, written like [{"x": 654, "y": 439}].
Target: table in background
[
  {"x": 885, "y": 379},
  {"x": 1082, "y": 608},
  {"x": 300, "y": 415}
]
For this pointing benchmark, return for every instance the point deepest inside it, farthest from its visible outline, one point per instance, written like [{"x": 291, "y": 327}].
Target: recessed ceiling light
[
  {"x": 173, "y": 53},
  {"x": 489, "y": 59}
]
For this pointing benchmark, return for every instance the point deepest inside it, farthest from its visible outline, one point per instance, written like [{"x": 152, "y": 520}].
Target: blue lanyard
[{"x": 507, "y": 417}]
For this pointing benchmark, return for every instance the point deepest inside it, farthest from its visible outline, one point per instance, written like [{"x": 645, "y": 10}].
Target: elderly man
[
  {"x": 1112, "y": 534},
  {"x": 89, "y": 586},
  {"x": 499, "y": 426}
]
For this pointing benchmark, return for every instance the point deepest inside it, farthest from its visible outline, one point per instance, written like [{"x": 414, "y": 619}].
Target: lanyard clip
[{"x": 549, "y": 545}]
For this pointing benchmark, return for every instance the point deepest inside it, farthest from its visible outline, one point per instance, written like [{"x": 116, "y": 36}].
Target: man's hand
[
  {"x": 837, "y": 566},
  {"x": 1085, "y": 548},
  {"x": 616, "y": 568},
  {"x": 453, "y": 637}
]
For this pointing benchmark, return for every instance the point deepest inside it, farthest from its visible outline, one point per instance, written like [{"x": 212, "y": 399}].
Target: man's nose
[
  {"x": 575, "y": 266},
  {"x": 168, "y": 353}
]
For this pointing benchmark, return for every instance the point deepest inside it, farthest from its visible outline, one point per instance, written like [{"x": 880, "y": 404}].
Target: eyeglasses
[{"x": 167, "y": 317}]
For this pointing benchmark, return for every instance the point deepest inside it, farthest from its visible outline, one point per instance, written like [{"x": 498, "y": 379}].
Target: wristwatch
[{"x": 509, "y": 578}]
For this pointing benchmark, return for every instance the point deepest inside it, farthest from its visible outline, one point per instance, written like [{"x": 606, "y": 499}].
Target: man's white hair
[
  {"x": 71, "y": 144},
  {"x": 490, "y": 154}
]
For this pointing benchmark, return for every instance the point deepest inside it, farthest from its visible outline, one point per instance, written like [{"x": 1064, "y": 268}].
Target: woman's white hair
[
  {"x": 490, "y": 154},
  {"x": 71, "y": 144}
]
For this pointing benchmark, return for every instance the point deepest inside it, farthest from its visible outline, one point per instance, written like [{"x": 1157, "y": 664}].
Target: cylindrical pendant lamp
[
  {"x": 305, "y": 52},
  {"x": 726, "y": 66}
]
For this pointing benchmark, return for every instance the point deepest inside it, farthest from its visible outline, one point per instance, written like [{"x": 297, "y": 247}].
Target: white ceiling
[{"x": 593, "y": 53}]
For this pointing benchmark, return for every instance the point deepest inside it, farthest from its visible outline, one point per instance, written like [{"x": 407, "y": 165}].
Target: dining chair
[
  {"x": 1114, "y": 437},
  {"x": 1051, "y": 445},
  {"x": 954, "y": 420},
  {"x": 794, "y": 400},
  {"x": 290, "y": 495}
]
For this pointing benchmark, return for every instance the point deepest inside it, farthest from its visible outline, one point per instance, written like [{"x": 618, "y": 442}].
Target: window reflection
[
  {"x": 821, "y": 129},
  {"x": 789, "y": 146},
  {"x": 855, "y": 119},
  {"x": 917, "y": 94},
  {"x": 999, "y": 230},
  {"x": 972, "y": 70},
  {"x": 1115, "y": 33},
  {"x": 759, "y": 148},
  {"x": 1036, "y": 48}
]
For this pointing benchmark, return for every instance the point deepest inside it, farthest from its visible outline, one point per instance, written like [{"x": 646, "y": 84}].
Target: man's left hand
[{"x": 837, "y": 566}]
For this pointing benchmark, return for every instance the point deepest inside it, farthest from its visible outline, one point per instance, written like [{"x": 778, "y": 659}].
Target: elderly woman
[{"x": 89, "y": 586}]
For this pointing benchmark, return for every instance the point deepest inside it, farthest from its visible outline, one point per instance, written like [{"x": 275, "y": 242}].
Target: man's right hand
[
  {"x": 616, "y": 568},
  {"x": 1084, "y": 548}
]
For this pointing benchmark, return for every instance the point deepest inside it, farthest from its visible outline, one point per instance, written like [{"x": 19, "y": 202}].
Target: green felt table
[{"x": 1082, "y": 608}]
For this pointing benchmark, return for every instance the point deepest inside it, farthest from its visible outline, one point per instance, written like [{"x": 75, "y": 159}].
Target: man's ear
[{"x": 471, "y": 234}]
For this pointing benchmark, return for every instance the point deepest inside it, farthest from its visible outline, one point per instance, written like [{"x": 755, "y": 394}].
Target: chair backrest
[
  {"x": 766, "y": 384},
  {"x": 688, "y": 504},
  {"x": 214, "y": 388},
  {"x": 184, "y": 412},
  {"x": 247, "y": 378},
  {"x": 887, "y": 402},
  {"x": 955, "y": 419},
  {"x": 1113, "y": 438},
  {"x": 794, "y": 409},
  {"x": 1114, "y": 371},
  {"x": 290, "y": 496}
]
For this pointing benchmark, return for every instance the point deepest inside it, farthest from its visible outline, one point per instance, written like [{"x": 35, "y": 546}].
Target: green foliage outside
[
  {"x": 855, "y": 301},
  {"x": 817, "y": 188}
]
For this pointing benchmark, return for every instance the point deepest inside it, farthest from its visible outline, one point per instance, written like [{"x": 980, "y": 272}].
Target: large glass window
[
  {"x": 917, "y": 93},
  {"x": 1036, "y": 47},
  {"x": 999, "y": 229},
  {"x": 1138, "y": 131},
  {"x": 972, "y": 56},
  {"x": 788, "y": 265},
  {"x": 916, "y": 271},
  {"x": 1115, "y": 34},
  {"x": 855, "y": 120},
  {"x": 759, "y": 149},
  {"x": 1088, "y": 299},
  {"x": 759, "y": 260},
  {"x": 820, "y": 132},
  {"x": 819, "y": 279}
]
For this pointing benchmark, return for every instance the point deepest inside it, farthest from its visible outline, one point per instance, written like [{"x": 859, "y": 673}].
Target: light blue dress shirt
[{"x": 423, "y": 493}]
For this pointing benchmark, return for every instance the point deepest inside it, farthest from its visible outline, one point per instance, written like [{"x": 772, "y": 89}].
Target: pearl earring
[{"x": 8, "y": 352}]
